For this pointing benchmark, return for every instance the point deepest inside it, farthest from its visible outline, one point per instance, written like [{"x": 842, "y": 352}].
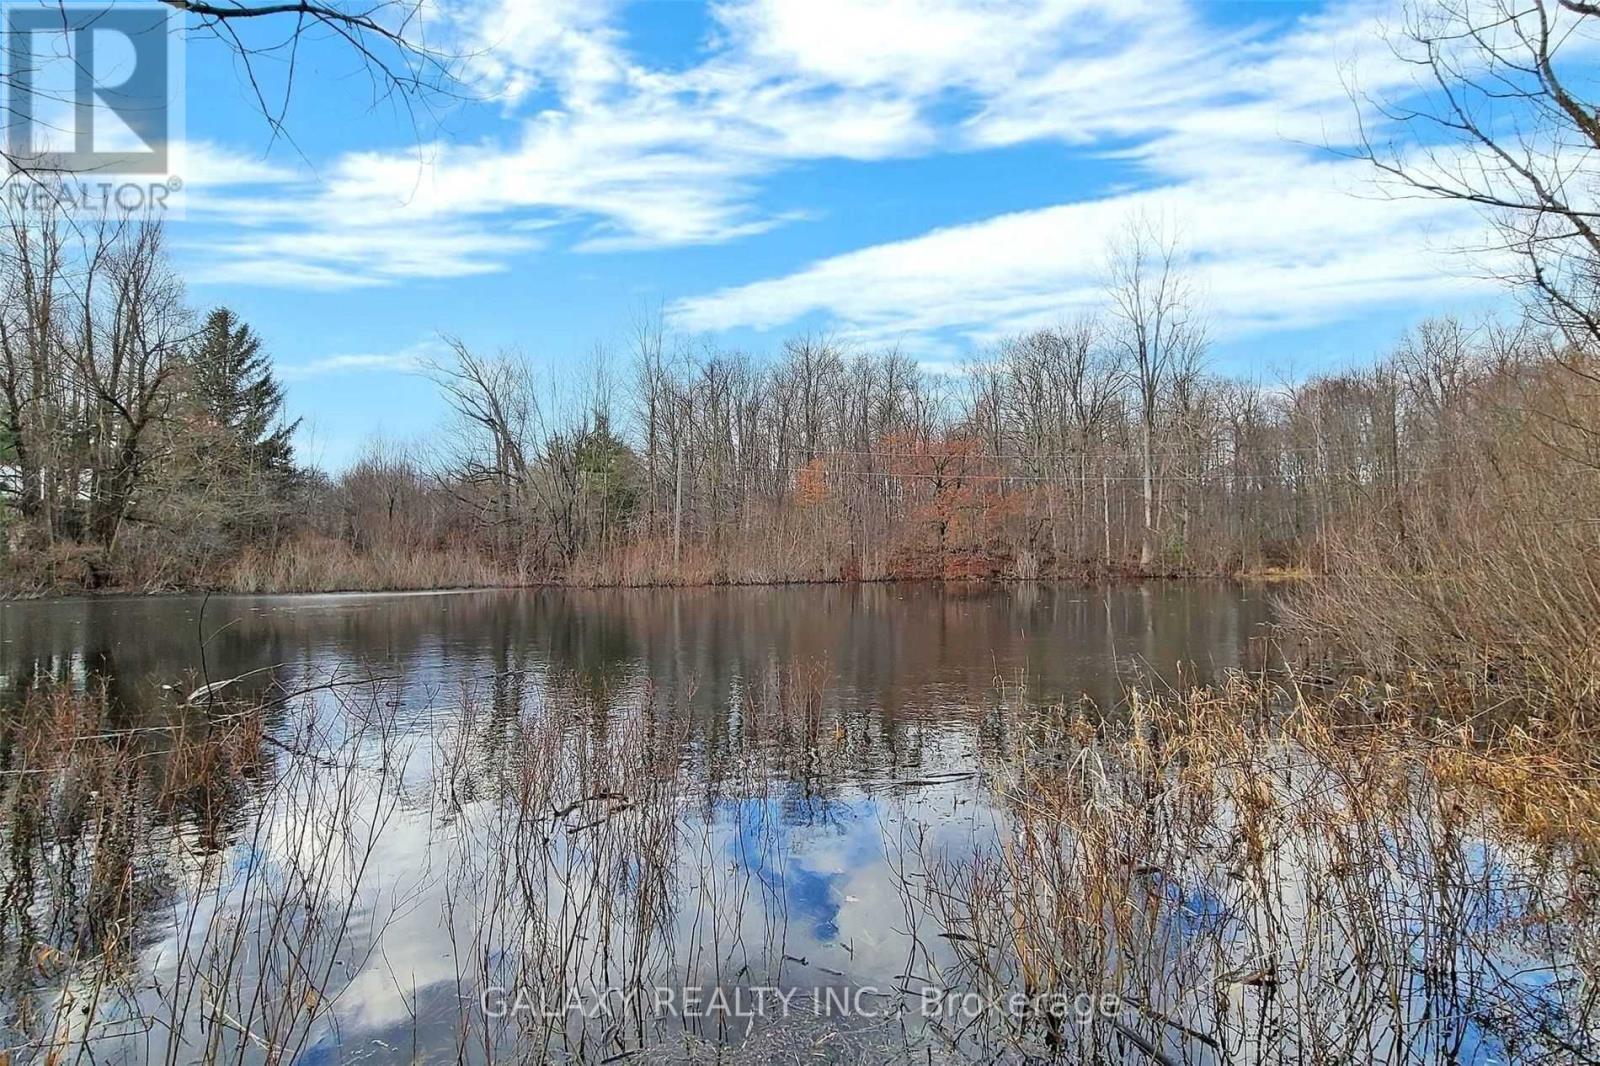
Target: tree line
[
  {"x": 146, "y": 445},
  {"x": 1063, "y": 453},
  {"x": 139, "y": 443}
]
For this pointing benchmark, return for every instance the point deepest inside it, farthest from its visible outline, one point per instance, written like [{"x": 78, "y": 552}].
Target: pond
[
  {"x": 901, "y": 653},
  {"x": 812, "y": 823}
]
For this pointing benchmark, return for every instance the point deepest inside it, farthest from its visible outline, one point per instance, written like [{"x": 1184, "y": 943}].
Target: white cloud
[
  {"x": 520, "y": 46},
  {"x": 355, "y": 256},
  {"x": 207, "y": 164},
  {"x": 1229, "y": 131},
  {"x": 1220, "y": 126},
  {"x": 1282, "y": 247},
  {"x": 404, "y": 361},
  {"x": 917, "y": 47},
  {"x": 645, "y": 157}
]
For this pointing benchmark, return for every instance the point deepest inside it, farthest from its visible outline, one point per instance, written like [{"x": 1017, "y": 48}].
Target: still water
[
  {"x": 904, "y": 653},
  {"x": 506, "y": 812}
]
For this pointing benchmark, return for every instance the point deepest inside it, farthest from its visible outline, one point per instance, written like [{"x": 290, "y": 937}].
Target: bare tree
[
  {"x": 94, "y": 333},
  {"x": 1499, "y": 118},
  {"x": 647, "y": 340},
  {"x": 398, "y": 44},
  {"x": 132, "y": 339},
  {"x": 389, "y": 39},
  {"x": 493, "y": 450},
  {"x": 1157, "y": 330},
  {"x": 38, "y": 408}
]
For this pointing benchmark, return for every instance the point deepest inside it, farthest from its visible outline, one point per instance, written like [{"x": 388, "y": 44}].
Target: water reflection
[
  {"x": 897, "y": 650},
  {"x": 523, "y": 882},
  {"x": 558, "y": 791}
]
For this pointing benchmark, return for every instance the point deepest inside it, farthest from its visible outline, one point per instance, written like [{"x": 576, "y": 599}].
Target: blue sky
[{"x": 915, "y": 172}]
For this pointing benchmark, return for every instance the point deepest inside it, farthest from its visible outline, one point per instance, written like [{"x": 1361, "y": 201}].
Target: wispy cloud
[
  {"x": 640, "y": 157},
  {"x": 1284, "y": 248},
  {"x": 1231, "y": 132},
  {"x": 1224, "y": 130},
  {"x": 405, "y": 361},
  {"x": 209, "y": 165}
]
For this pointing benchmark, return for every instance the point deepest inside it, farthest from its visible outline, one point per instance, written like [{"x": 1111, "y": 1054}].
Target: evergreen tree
[
  {"x": 232, "y": 468},
  {"x": 609, "y": 473},
  {"x": 240, "y": 403}
]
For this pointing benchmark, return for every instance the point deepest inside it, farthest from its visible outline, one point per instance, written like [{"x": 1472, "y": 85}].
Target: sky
[{"x": 924, "y": 174}]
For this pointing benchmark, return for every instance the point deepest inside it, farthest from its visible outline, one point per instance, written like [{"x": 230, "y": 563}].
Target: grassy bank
[{"x": 319, "y": 564}]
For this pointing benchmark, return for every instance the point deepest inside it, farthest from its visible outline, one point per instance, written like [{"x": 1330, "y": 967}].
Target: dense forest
[{"x": 147, "y": 446}]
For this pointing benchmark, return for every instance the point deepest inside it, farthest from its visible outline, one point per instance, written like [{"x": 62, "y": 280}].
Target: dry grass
[
  {"x": 321, "y": 564},
  {"x": 250, "y": 839},
  {"x": 1254, "y": 872},
  {"x": 184, "y": 831},
  {"x": 1265, "y": 873},
  {"x": 84, "y": 799}
]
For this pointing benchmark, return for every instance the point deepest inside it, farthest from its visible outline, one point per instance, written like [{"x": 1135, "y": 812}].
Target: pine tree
[
  {"x": 233, "y": 458},
  {"x": 241, "y": 404},
  {"x": 610, "y": 473}
]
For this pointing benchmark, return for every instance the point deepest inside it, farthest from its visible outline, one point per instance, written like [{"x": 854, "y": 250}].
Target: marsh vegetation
[{"x": 538, "y": 863}]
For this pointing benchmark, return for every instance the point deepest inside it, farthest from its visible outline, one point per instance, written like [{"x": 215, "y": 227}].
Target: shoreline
[{"x": 1266, "y": 576}]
